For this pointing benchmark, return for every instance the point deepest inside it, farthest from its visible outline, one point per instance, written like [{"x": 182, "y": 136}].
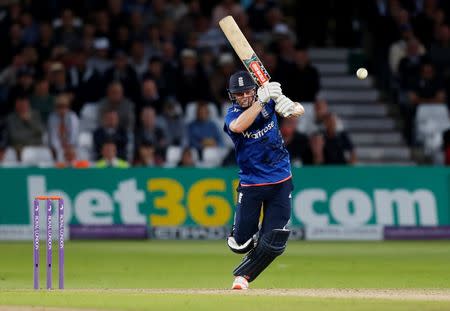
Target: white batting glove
[
  {"x": 271, "y": 90},
  {"x": 287, "y": 108}
]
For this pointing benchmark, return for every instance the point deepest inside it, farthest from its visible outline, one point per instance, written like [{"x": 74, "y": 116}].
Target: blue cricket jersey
[{"x": 260, "y": 151}]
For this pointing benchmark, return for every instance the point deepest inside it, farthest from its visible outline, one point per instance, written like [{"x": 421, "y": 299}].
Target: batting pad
[{"x": 270, "y": 246}]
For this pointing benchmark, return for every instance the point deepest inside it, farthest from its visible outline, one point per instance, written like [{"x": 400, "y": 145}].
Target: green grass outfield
[{"x": 196, "y": 275}]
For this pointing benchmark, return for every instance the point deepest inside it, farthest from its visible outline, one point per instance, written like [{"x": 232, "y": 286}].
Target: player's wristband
[{"x": 262, "y": 104}]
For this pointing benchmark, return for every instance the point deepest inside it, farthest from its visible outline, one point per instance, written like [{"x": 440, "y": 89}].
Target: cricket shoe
[{"x": 240, "y": 283}]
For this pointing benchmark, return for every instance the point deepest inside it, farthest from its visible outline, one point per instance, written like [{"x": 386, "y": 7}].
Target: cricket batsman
[{"x": 265, "y": 174}]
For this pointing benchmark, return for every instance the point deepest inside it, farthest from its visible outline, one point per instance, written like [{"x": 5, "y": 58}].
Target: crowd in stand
[
  {"x": 414, "y": 36},
  {"x": 151, "y": 75},
  {"x": 135, "y": 82}
]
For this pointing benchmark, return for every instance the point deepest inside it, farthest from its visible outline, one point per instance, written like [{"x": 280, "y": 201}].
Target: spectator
[
  {"x": 30, "y": 29},
  {"x": 399, "y": 49},
  {"x": 187, "y": 158},
  {"x": 109, "y": 157},
  {"x": 162, "y": 75},
  {"x": 440, "y": 50},
  {"x": 123, "y": 72},
  {"x": 224, "y": 8},
  {"x": 41, "y": 100},
  {"x": 24, "y": 84},
  {"x": 13, "y": 44},
  {"x": 46, "y": 42},
  {"x": 296, "y": 143},
  {"x": 172, "y": 120},
  {"x": 257, "y": 15},
  {"x": 115, "y": 100},
  {"x": 219, "y": 78},
  {"x": 338, "y": 147},
  {"x": 111, "y": 131},
  {"x": 100, "y": 61},
  {"x": 71, "y": 159},
  {"x": 24, "y": 125},
  {"x": 423, "y": 23},
  {"x": 149, "y": 132},
  {"x": 149, "y": 96},
  {"x": 138, "y": 58},
  {"x": 315, "y": 122},
  {"x": 63, "y": 125},
  {"x": 8, "y": 78},
  {"x": 145, "y": 155},
  {"x": 409, "y": 66},
  {"x": 429, "y": 88},
  {"x": 203, "y": 132},
  {"x": 190, "y": 80},
  {"x": 68, "y": 32},
  {"x": 85, "y": 81},
  {"x": 304, "y": 83},
  {"x": 58, "y": 79}
]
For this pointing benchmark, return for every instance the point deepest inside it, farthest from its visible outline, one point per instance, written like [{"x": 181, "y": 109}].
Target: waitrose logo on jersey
[{"x": 259, "y": 133}]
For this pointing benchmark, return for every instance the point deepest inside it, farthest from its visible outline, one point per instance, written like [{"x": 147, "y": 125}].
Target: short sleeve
[{"x": 232, "y": 114}]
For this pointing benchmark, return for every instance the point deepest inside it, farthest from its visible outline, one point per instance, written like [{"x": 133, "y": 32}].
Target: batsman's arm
[{"x": 246, "y": 118}]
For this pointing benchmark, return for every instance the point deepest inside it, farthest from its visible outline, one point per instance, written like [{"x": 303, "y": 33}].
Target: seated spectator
[
  {"x": 123, "y": 72},
  {"x": 173, "y": 122},
  {"x": 190, "y": 80},
  {"x": 8, "y": 78},
  {"x": 203, "y": 132},
  {"x": 58, "y": 79},
  {"x": 447, "y": 147},
  {"x": 149, "y": 97},
  {"x": 187, "y": 159},
  {"x": 100, "y": 61},
  {"x": 296, "y": 143},
  {"x": 110, "y": 131},
  {"x": 67, "y": 30},
  {"x": 315, "y": 121},
  {"x": 63, "y": 125},
  {"x": 151, "y": 133},
  {"x": 162, "y": 75},
  {"x": 109, "y": 157},
  {"x": 24, "y": 84},
  {"x": 24, "y": 125},
  {"x": 409, "y": 66},
  {"x": 429, "y": 88},
  {"x": 145, "y": 156},
  {"x": 71, "y": 159},
  {"x": 399, "y": 49},
  {"x": 84, "y": 80},
  {"x": 338, "y": 147},
  {"x": 115, "y": 100},
  {"x": 138, "y": 61},
  {"x": 219, "y": 79},
  {"x": 41, "y": 100},
  {"x": 304, "y": 80},
  {"x": 440, "y": 50}
]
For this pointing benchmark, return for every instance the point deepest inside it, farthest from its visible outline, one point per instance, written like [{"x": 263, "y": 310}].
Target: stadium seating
[{"x": 40, "y": 156}]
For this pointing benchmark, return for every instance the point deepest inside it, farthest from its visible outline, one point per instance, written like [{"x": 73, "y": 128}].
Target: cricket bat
[
  {"x": 244, "y": 50},
  {"x": 248, "y": 57}
]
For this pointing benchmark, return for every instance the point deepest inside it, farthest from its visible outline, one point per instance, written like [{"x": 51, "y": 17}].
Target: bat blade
[{"x": 244, "y": 50}]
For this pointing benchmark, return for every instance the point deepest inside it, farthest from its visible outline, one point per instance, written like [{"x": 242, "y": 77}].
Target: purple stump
[
  {"x": 36, "y": 235},
  {"x": 61, "y": 242},
  {"x": 49, "y": 244}
]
